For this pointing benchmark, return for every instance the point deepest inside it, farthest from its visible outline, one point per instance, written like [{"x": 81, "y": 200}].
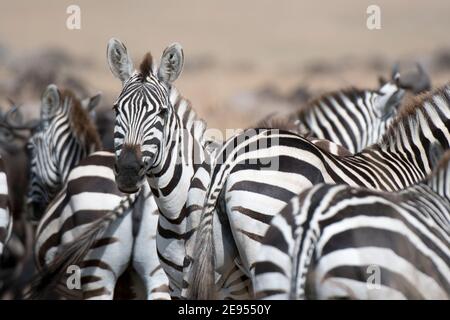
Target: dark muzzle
[{"x": 129, "y": 170}]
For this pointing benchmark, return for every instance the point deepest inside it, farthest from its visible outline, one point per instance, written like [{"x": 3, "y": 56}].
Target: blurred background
[{"x": 243, "y": 59}]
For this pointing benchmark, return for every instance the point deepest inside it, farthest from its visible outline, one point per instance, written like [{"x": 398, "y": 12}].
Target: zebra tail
[
  {"x": 74, "y": 252},
  {"x": 202, "y": 282}
]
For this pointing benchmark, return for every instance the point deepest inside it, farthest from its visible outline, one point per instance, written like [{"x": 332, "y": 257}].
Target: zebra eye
[
  {"x": 163, "y": 111},
  {"x": 115, "y": 108}
]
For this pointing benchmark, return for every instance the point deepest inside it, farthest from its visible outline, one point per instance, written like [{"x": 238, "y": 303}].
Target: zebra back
[
  {"x": 353, "y": 118},
  {"x": 59, "y": 248}
]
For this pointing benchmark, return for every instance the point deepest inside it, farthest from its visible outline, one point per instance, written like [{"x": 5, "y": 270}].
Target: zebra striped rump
[{"x": 344, "y": 242}]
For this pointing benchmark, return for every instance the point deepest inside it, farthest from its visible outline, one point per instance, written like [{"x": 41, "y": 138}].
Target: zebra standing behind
[
  {"x": 5, "y": 216},
  {"x": 65, "y": 139},
  {"x": 336, "y": 241},
  {"x": 353, "y": 118}
]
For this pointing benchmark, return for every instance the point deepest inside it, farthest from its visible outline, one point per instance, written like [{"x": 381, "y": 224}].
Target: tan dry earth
[{"x": 234, "y": 47}]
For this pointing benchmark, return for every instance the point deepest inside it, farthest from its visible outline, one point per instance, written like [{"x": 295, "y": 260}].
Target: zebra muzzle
[{"x": 129, "y": 169}]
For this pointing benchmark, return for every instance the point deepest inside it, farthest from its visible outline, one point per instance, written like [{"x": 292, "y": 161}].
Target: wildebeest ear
[
  {"x": 381, "y": 81},
  {"x": 50, "y": 103},
  {"x": 171, "y": 65},
  {"x": 119, "y": 61}
]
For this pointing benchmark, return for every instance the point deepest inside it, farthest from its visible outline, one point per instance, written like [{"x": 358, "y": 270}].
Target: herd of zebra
[{"x": 312, "y": 206}]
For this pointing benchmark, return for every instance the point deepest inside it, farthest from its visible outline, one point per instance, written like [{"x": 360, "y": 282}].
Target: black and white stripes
[
  {"x": 352, "y": 118},
  {"x": 252, "y": 177},
  {"x": 5, "y": 215},
  {"x": 91, "y": 194},
  {"x": 172, "y": 152},
  {"x": 62, "y": 158},
  {"x": 343, "y": 242},
  {"x": 65, "y": 136},
  {"x": 255, "y": 192}
]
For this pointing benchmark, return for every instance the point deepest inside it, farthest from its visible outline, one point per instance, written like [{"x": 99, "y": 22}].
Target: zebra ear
[
  {"x": 89, "y": 104},
  {"x": 119, "y": 61},
  {"x": 171, "y": 65},
  {"x": 50, "y": 103},
  {"x": 436, "y": 153}
]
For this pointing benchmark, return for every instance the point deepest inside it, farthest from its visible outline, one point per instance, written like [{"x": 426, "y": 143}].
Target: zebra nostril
[{"x": 115, "y": 169}]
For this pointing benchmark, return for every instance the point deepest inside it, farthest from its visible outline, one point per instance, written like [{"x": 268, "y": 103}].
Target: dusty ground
[{"x": 235, "y": 50}]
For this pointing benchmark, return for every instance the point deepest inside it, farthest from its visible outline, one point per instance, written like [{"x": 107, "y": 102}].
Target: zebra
[
  {"x": 63, "y": 158},
  {"x": 337, "y": 241},
  {"x": 353, "y": 118},
  {"x": 253, "y": 194},
  {"x": 400, "y": 159},
  {"x": 215, "y": 208},
  {"x": 171, "y": 230},
  {"x": 6, "y": 221},
  {"x": 63, "y": 136},
  {"x": 149, "y": 144},
  {"x": 286, "y": 124},
  {"x": 147, "y": 99}
]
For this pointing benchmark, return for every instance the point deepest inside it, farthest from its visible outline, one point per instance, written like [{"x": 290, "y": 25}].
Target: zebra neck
[
  {"x": 72, "y": 157},
  {"x": 185, "y": 152},
  {"x": 413, "y": 137},
  {"x": 349, "y": 116}
]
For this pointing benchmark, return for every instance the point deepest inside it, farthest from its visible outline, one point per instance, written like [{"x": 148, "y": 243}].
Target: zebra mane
[
  {"x": 80, "y": 121},
  {"x": 146, "y": 66},
  {"x": 191, "y": 122},
  {"x": 407, "y": 119}
]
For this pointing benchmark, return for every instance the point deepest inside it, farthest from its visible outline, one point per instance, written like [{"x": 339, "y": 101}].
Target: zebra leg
[
  {"x": 145, "y": 257},
  {"x": 107, "y": 260},
  {"x": 236, "y": 285},
  {"x": 274, "y": 267}
]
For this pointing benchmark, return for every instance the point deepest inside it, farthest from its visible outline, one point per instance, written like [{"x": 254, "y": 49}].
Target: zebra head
[
  {"x": 144, "y": 114},
  {"x": 65, "y": 135}
]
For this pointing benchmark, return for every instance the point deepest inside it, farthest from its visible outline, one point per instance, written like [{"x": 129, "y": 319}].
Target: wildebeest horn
[
  {"x": 16, "y": 124},
  {"x": 395, "y": 71}
]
